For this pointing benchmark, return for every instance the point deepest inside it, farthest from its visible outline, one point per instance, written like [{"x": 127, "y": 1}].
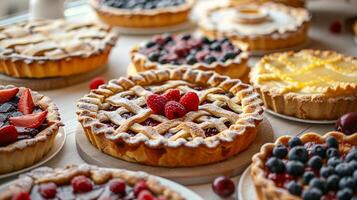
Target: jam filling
[{"x": 142, "y": 5}]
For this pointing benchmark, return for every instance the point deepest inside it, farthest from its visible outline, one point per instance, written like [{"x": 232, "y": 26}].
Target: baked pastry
[
  {"x": 294, "y": 3},
  {"x": 87, "y": 182},
  {"x": 268, "y": 26},
  {"x": 53, "y": 48},
  {"x": 172, "y": 117},
  {"x": 310, "y": 84},
  {"x": 309, "y": 167},
  {"x": 29, "y": 123},
  {"x": 143, "y": 14},
  {"x": 171, "y": 51}
]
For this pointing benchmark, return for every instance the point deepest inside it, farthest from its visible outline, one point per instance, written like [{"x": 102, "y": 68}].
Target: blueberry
[
  {"x": 333, "y": 162},
  {"x": 327, "y": 171},
  {"x": 344, "y": 194},
  {"x": 294, "y": 141},
  {"x": 355, "y": 177},
  {"x": 275, "y": 165},
  {"x": 210, "y": 59},
  {"x": 150, "y": 44},
  {"x": 319, "y": 184},
  {"x": 353, "y": 165},
  {"x": 298, "y": 153},
  {"x": 347, "y": 182},
  {"x": 216, "y": 46},
  {"x": 206, "y": 40},
  {"x": 332, "y": 142},
  {"x": 280, "y": 151},
  {"x": 154, "y": 56},
  {"x": 352, "y": 155},
  {"x": 294, "y": 188},
  {"x": 228, "y": 55},
  {"x": 185, "y": 37},
  {"x": 295, "y": 168},
  {"x": 344, "y": 169},
  {"x": 319, "y": 150},
  {"x": 312, "y": 194},
  {"x": 167, "y": 37},
  {"x": 308, "y": 176},
  {"x": 332, "y": 182},
  {"x": 191, "y": 59},
  {"x": 332, "y": 152},
  {"x": 315, "y": 162}
]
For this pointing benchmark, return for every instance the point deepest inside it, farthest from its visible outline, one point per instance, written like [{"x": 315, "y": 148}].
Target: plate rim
[{"x": 240, "y": 183}]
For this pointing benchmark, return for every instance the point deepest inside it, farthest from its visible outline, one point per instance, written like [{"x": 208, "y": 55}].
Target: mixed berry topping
[
  {"x": 142, "y": 5},
  {"x": 186, "y": 49},
  {"x": 314, "y": 171},
  {"x": 347, "y": 124}
]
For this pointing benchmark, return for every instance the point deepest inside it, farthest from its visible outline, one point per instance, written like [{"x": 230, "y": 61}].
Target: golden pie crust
[
  {"x": 25, "y": 153},
  {"x": 53, "y": 48},
  {"x": 129, "y": 18},
  {"x": 310, "y": 84},
  {"x": 266, "y": 188},
  {"x": 294, "y": 3},
  {"x": 188, "y": 146},
  {"x": 63, "y": 176}
]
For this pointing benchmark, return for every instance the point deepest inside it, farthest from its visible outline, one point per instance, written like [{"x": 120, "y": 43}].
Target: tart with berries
[
  {"x": 310, "y": 167},
  {"x": 264, "y": 27},
  {"x": 143, "y": 14},
  {"x": 172, "y": 117},
  {"x": 53, "y": 48},
  {"x": 172, "y": 51},
  {"x": 29, "y": 123},
  {"x": 88, "y": 182},
  {"x": 310, "y": 84}
]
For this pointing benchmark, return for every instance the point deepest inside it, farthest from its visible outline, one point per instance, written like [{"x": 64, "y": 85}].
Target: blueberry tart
[
  {"x": 29, "y": 123},
  {"x": 172, "y": 51},
  {"x": 143, "y": 14},
  {"x": 171, "y": 117},
  {"x": 87, "y": 182},
  {"x": 309, "y": 167}
]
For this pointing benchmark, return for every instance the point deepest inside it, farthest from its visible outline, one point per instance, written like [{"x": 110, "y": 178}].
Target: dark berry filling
[{"x": 142, "y": 4}]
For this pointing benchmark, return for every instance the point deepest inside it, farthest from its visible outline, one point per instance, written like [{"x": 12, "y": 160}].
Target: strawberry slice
[
  {"x": 30, "y": 120},
  {"x": 7, "y": 94},
  {"x": 26, "y": 104},
  {"x": 8, "y": 135}
]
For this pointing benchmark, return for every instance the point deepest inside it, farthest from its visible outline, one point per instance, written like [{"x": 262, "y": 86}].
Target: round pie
[
  {"x": 172, "y": 51},
  {"x": 172, "y": 117},
  {"x": 309, "y": 167},
  {"x": 268, "y": 26},
  {"x": 53, "y": 48},
  {"x": 143, "y": 14},
  {"x": 294, "y": 3},
  {"x": 29, "y": 123},
  {"x": 87, "y": 182},
  {"x": 310, "y": 84}
]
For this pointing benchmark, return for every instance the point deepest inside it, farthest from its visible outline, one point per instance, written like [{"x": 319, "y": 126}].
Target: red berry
[
  {"x": 26, "y": 104},
  {"x": 96, "y": 82},
  {"x": 173, "y": 95},
  {"x": 117, "y": 186},
  {"x": 145, "y": 195},
  {"x": 48, "y": 190},
  {"x": 156, "y": 103},
  {"x": 81, "y": 184},
  {"x": 29, "y": 121},
  {"x": 191, "y": 101},
  {"x": 140, "y": 186},
  {"x": 223, "y": 186},
  {"x": 7, "y": 94},
  {"x": 174, "y": 110},
  {"x": 8, "y": 135},
  {"x": 347, "y": 124},
  {"x": 22, "y": 196},
  {"x": 336, "y": 27}
]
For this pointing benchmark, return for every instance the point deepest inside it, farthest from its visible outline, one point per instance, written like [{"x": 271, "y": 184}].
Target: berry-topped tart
[
  {"x": 172, "y": 117},
  {"x": 310, "y": 84},
  {"x": 143, "y": 14},
  {"x": 309, "y": 167},
  {"x": 172, "y": 51},
  {"x": 87, "y": 182},
  {"x": 264, "y": 27},
  {"x": 29, "y": 123}
]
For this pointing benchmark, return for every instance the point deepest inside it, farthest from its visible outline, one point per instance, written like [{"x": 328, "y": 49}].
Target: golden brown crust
[
  {"x": 24, "y": 153},
  {"x": 265, "y": 188},
  {"x": 294, "y": 3}
]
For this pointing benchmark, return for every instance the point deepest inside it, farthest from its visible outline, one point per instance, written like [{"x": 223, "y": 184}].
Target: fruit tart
[
  {"x": 143, "y": 14},
  {"x": 172, "y": 51},
  {"x": 171, "y": 117},
  {"x": 264, "y": 27},
  {"x": 309, "y": 167},
  {"x": 29, "y": 123},
  {"x": 294, "y": 3},
  {"x": 53, "y": 48},
  {"x": 86, "y": 183},
  {"x": 310, "y": 84}
]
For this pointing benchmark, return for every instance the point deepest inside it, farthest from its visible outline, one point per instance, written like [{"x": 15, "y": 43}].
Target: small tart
[
  {"x": 30, "y": 144},
  {"x": 170, "y": 51},
  {"x": 141, "y": 16},
  {"x": 60, "y": 183},
  {"x": 268, "y": 26},
  {"x": 53, "y": 48},
  {"x": 117, "y": 120},
  {"x": 310, "y": 84},
  {"x": 295, "y": 168},
  {"x": 294, "y": 3}
]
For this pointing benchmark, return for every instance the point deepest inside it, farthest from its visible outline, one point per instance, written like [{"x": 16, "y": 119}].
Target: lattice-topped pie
[
  {"x": 52, "y": 48},
  {"x": 177, "y": 117},
  {"x": 268, "y": 26},
  {"x": 308, "y": 84}
]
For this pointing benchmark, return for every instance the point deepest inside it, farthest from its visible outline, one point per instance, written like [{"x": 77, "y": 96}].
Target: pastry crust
[
  {"x": 162, "y": 151},
  {"x": 294, "y": 3},
  {"x": 24, "y": 153},
  {"x": 160, "y": 17},
  {"x": 62, "y": 176},
  {"x": 266, "y": 188}
]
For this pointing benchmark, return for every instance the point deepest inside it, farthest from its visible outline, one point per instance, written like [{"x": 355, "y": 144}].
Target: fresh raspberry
[
  {"x": 48, "y": 190},
  {"x": 191, "y": 101},
  {"x": 117, "y": 186},
  {"x": 145, "y": 195},
  {"x": 156, "y": 103},
  {"x": 8, "y": 135},
  {"x": 26, "y": 104},
  {"x": 336, "y": 27},
  {"x": 81, "y": 184},
  {"x": 29, "y": 121},
  {"x": 96, "y": 82},
  {"x": 174, "y": 110},
  {"x": 173, "y": 95},
  {"x": 22, "y": 196},
  {"x": 140, "y": 186}
]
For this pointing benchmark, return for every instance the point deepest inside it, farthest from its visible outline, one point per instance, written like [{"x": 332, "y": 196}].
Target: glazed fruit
[
  {"x": 96, "y": 82},
  {"x": 223, "y": 186},
  {"x": 347, "y": 124}
]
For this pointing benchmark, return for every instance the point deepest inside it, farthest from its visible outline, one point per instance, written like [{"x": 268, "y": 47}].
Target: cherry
[
  {"x": 140, "y": 186},
  {"x": 145, "y": 195},
  {"x": 223, "y": 186},
  {"x": 81, "y": 184},
  {"x": 22, "y": 196},
  {"x": 48, "y": 190},
  {"x": 117, "y": 186},
  {"x": 96, "y": 82},
  {"x": 347, "y": 124}
]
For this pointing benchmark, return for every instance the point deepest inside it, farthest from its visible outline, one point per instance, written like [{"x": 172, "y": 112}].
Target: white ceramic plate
[
  {"x": 151, "y": 31},
  {"x": 58, "y": 144},
  {"x": 246, "y": 189},
  {"x": 299, "y": 120}
]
